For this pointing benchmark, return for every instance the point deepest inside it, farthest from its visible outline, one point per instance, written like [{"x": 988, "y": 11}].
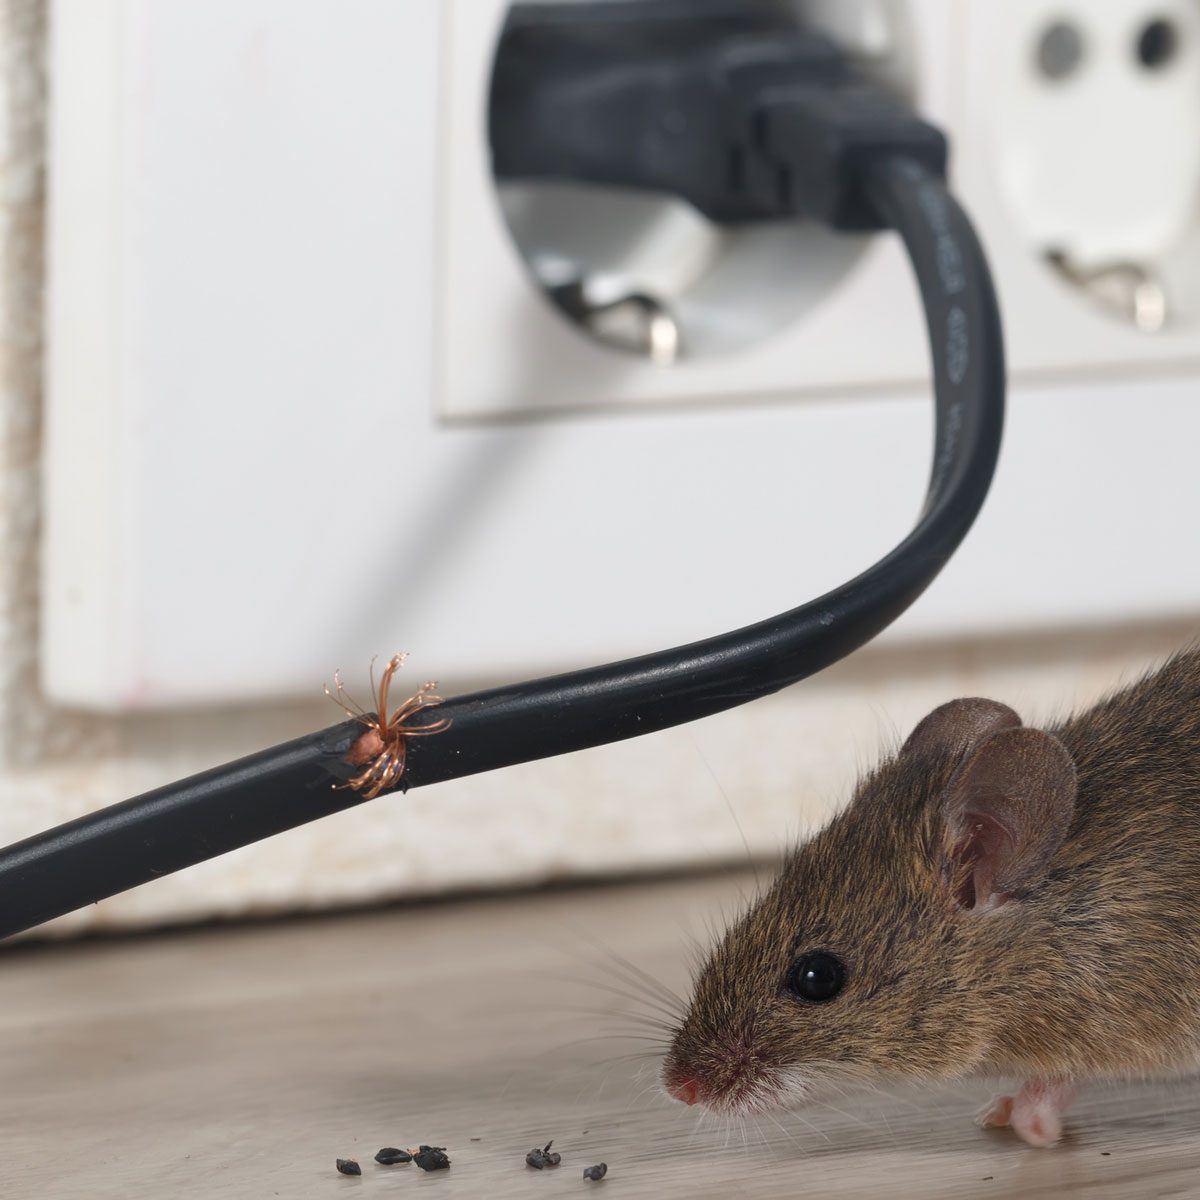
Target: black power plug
[
  {"x": 724, "y": 105},
  {"x": 747, "y": 120}
]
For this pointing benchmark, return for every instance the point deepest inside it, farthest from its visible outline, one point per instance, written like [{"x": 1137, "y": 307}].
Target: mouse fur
[{"x": 1005, "y": 900}]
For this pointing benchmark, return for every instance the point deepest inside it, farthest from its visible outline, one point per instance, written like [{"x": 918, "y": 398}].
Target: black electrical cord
[
  {"x": 563, "y": 713},
  {"x": 198, "y": 818}
]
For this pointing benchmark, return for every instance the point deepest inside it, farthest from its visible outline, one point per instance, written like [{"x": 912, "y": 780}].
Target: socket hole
[
  {"x": 1157, "y": 43},
  {"x": 1060, "y": 50},
  {"x": 1125, "y": 241},
  {"x": 644, "y": 274}
]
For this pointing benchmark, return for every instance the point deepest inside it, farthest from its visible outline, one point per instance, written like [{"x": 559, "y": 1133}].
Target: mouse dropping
[{"x": 540, "y": 1159}]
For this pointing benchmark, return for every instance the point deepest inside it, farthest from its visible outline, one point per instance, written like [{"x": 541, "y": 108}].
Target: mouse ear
[
  {"x": 1005, "y": 812},
  {"x": 959, "y": 726}
]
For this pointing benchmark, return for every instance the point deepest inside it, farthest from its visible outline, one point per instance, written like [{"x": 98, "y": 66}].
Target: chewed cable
[
  {"x": 286, "y": 786},
  {"x": 563, "y": 713}
]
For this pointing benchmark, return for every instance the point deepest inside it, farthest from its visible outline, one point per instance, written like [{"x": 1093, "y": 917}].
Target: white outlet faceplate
[
  {"x": 289, "y": 334},
  {"x": 1103, "y": 164},
  {"x": 507, "y": 350}
]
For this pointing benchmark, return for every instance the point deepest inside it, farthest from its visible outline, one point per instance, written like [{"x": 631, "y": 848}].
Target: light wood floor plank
[{"x": 240, "y": 1062}]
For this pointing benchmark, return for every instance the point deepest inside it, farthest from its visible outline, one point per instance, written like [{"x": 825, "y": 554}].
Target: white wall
[{"x": 661, "y": 802}]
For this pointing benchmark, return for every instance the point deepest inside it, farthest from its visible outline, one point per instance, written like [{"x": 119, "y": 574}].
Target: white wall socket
[
  {"x": 306, "y": 404},
  {"x": 1102, "y": 163}
]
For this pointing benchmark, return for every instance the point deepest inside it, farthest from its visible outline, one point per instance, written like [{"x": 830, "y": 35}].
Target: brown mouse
[{"x": 995, "y": 900}]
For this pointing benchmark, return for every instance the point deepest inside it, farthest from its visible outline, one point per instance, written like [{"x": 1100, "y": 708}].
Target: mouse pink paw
[
  {"x": 997, "y": 1115},
  {"x": 1035, "y": 1113}
]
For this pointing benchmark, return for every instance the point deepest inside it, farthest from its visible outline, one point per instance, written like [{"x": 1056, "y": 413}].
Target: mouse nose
[{"x": 686, "y": 1090}]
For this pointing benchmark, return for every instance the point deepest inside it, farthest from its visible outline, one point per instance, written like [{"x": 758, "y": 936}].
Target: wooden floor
[{"x": 242, "y": 1062}]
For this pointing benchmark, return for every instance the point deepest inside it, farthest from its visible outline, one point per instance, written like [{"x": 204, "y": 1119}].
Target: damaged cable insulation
[{"x": 860, "y": 170}]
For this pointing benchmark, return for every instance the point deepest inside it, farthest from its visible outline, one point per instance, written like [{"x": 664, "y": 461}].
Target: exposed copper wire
[{"x": 381, "y": 750}]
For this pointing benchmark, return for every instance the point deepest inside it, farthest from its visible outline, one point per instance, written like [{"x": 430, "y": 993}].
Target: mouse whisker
[
  {"x": 594, "y": 1093},
  {"x": 645, "y": 1020},
  {"x": 639, "y": 1057},
  {"x": 729, "y": 805},
  {"x": 637, "y": 1097},
  {"x": 811, "y": 1127},
  {"x": 639, "y": 978},
  {"x": 696, "y": 1126},
  {"x": 842, "y": 1113},
  {"x": 610, "y": 1037},
  {"x": 788, "y": 1134},
  {"x": 632, "y": 973},
  {"x": 745, "y": 1139},
  {"x": 767, "y": 1141},
  {"x": 694, "y": 952},
  {"x": 652, "y": 1005},
  {"x": 642, "y": 993}
]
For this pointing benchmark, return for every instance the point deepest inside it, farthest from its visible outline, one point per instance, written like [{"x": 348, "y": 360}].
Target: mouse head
[{"x": 877, "y": 951}]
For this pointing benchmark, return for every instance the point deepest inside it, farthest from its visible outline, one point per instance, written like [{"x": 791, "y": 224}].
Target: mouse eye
[{"x": 817, "y": 977}]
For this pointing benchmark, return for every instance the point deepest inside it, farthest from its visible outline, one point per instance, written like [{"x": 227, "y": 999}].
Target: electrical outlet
[
  {"x": 756, "y": 312},
  {"x": 1079, "y": 154},
  {"x": 307, "y": 402}
]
